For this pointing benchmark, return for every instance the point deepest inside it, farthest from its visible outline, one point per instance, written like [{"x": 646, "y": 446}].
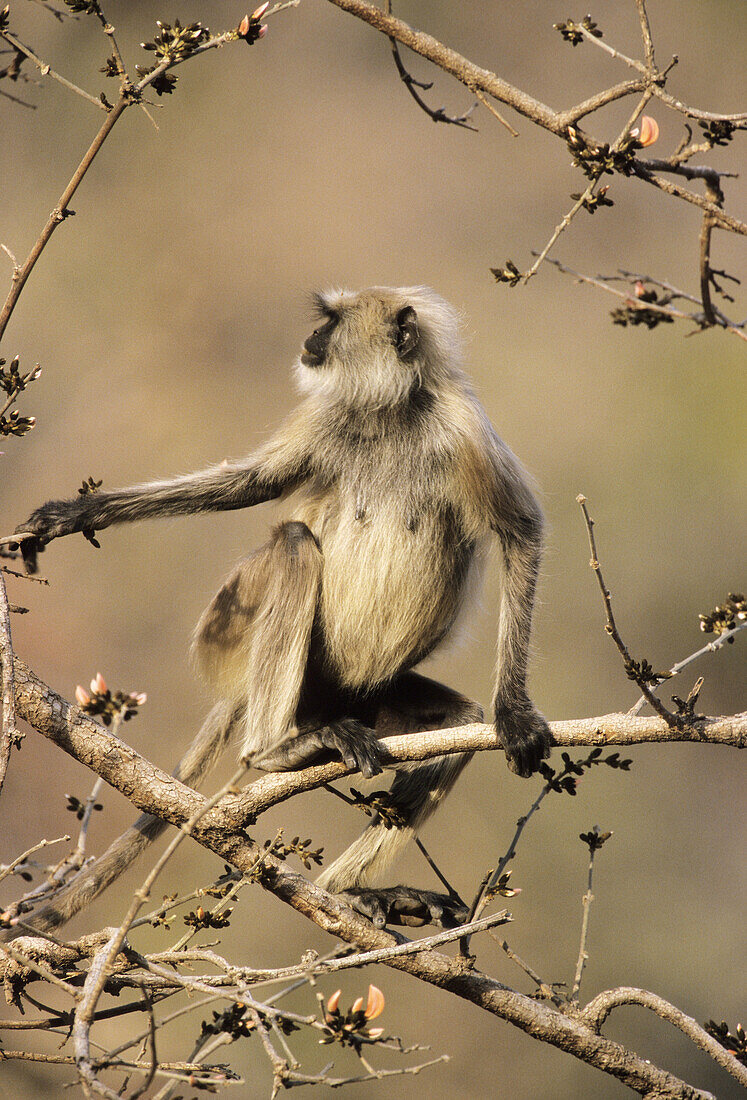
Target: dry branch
[{"x": 152, "y": 790}]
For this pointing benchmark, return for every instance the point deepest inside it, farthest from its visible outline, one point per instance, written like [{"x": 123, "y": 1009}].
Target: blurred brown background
[{"x": 166, "y": 315}]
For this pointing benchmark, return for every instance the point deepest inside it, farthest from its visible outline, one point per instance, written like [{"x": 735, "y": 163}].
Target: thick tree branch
[
  {"x": 151, "y": 789},
  {"x": 147, "y": 786}
]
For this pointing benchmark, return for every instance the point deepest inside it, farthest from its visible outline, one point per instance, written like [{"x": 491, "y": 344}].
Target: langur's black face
[
  {"x": 315, "y": 347},
  {"x": 405, "y": 335}
]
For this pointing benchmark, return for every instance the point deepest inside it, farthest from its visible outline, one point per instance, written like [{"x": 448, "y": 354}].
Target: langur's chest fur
[{"x": 396, "y": 556}]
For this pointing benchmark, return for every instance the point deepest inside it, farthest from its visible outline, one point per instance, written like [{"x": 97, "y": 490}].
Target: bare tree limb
[
  {"x": 8, "y": 731},
  {"x": 469, "y": 74},
  {"x": 123, "y": 768},
  {"x": 149, "y": 788},
  {"x": 598, "y": 1009}
]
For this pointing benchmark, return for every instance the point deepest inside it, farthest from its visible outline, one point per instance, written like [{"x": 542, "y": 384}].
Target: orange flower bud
[
  {"x": 334, "y": 1001},
  {"x": 376, "y": 1002},
  {"x": 82, "y": 697},
  {"x": 357, "y": 1005},
  {"x": 648, "y": 131},
  {"x": 243, "y": 27},
  {"x": 260, "y": 11}
]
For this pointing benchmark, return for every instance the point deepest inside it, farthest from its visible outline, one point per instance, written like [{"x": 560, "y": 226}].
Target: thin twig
[
  {"x": 153, "y": 1061},
  {"x": 78, "y": 856},
  {"x": 676, "y": 721},
  {"x": 439, "y": 875},
  {"x": 710, "y": 647},
  {"x": 496, "y": 114},
  {"x": 631, "y": 302},
  {"x": 587, "y": 900},
  {"x": 47, "y": 70},
  {"x": 483, "y": 894},
  {"x": 109, "y": 32},
  {"x": 22, "y": 576},
  {"x": 437, "y": 114},
  {"x": 646, "y": 33},
  {"x": 542, "y": 985},
  {"x": 9, "y": 868}
]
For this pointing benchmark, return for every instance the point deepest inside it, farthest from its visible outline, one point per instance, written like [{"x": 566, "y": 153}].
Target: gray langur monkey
[{"x": 397, "y": 478}]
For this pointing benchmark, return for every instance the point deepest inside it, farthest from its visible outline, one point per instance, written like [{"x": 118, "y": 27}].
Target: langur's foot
[
  {"x": 405, "y": 905},
  {"x": 349, "y": 739}
]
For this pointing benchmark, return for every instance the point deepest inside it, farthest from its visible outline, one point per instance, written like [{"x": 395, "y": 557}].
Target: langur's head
[{"x": 378, "y": 347}]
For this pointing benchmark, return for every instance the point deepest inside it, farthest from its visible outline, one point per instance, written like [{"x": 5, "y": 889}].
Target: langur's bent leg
[
  {"x": 412, "y": 703},
  {"x": 254, "y": 643}
]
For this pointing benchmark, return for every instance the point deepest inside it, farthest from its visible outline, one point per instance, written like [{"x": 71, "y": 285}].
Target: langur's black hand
[
  {"x": 51, "y": 521},
  {"x": 30, "y": 548},
  {"x": 526, "y": 737}
]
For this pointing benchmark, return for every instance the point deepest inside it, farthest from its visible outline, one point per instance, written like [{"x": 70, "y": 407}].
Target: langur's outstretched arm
[
  {"x": 278, "y": 467},
  {"x": 517, "y": 519}
]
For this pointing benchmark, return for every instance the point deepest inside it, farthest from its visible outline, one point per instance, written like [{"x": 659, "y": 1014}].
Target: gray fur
[{"x": 397, "y": 480}]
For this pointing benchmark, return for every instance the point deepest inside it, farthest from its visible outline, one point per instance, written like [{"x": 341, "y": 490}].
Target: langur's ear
[{"x": 407, "y": 335}]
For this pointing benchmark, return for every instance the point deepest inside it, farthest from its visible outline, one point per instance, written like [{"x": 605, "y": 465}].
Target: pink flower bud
[
  {"x": 98, "y": 685},
  {"x": 375, "y": 1032},
  {"x": 357, "y": 1005},
  {"x": 82, "y": 697},
  {"x": 141, "y": 698},
  {"x": 260, "y": 11},
  {"x": 243, "y": 27}
]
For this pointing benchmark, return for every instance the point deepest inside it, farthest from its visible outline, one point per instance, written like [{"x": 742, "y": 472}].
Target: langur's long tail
[
  {"x": 415, "y": 793},
  {"x": 198, "y": 760}
]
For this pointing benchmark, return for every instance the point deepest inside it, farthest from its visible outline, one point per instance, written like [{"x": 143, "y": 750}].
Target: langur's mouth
[{"x": 310, "y": 360}]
